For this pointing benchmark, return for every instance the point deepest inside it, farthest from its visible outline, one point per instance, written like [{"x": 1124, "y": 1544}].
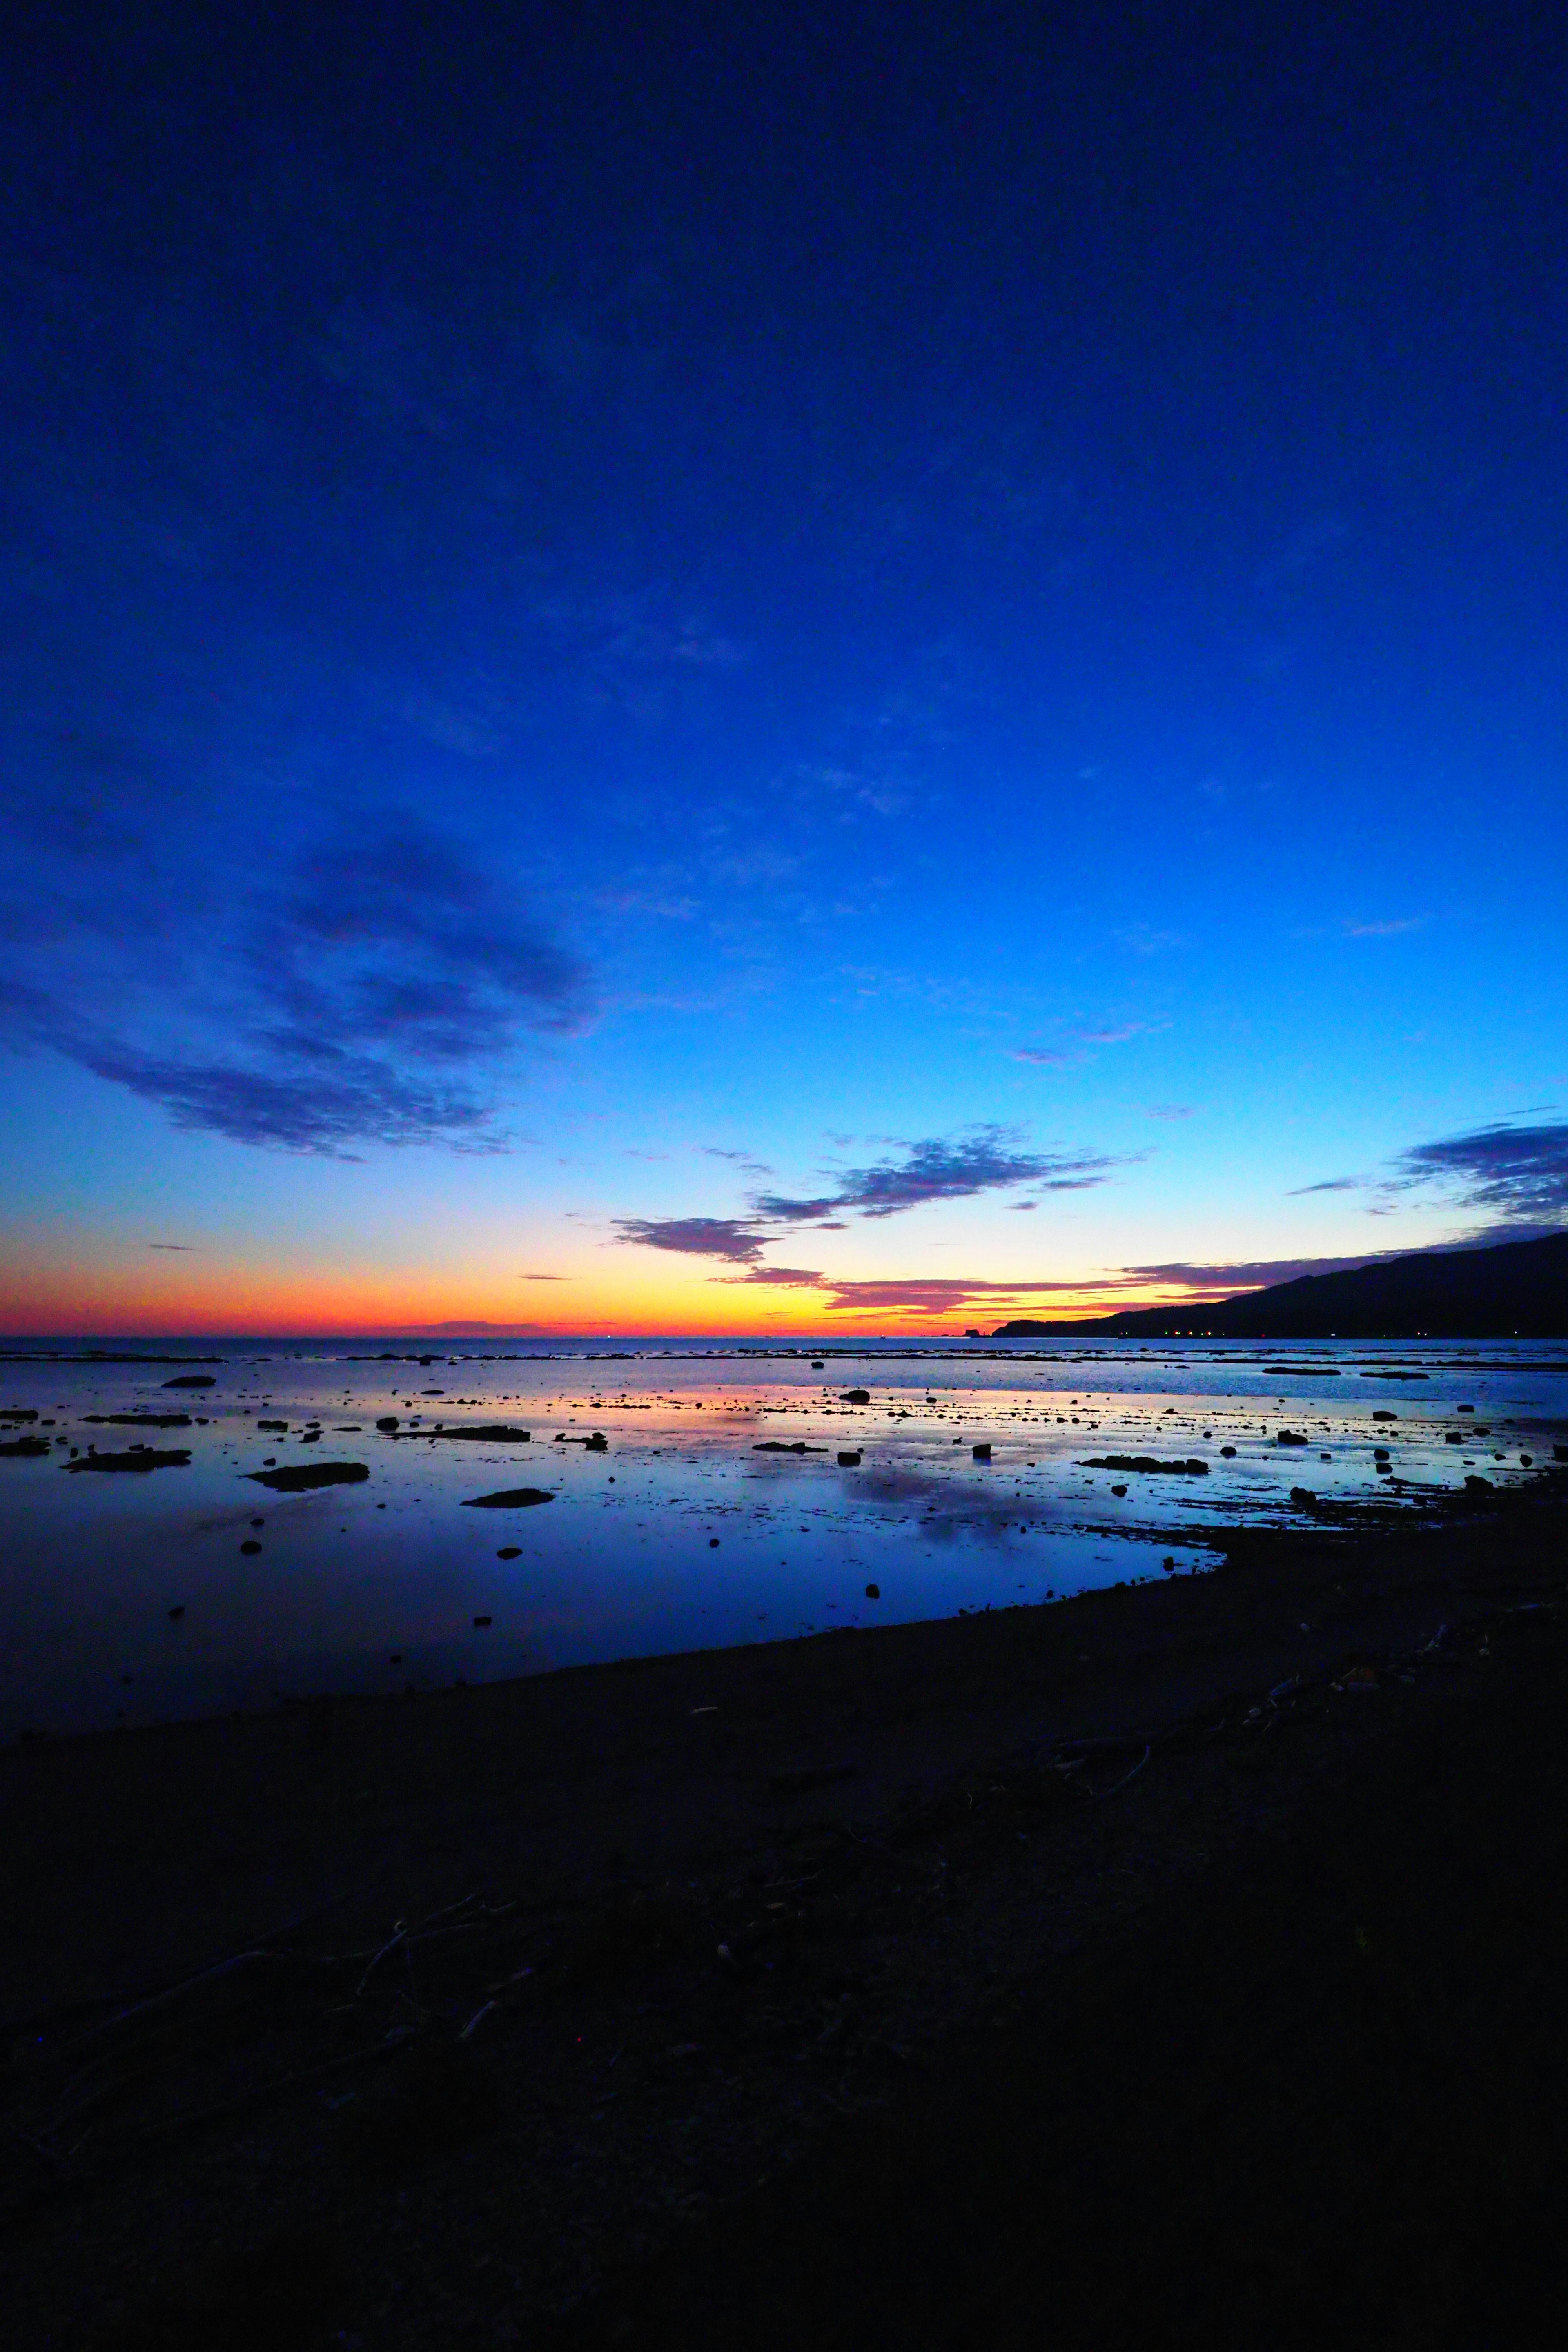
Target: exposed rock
[
  {"x": 486, "y": 1432},
  {"x": 1193, "y": 1468},
  {"x": 980, "y": 1453},
  {"x": 142, "y": 1420},
  {"x": 856, "y": 1396},
  {"x": 141, "y": 1457},
  {"x": 25, "y": 1449},
  {"x": 777, "y": 1445},
  {"x": 849, "y": 1461},
  {"x": 194, "y": 1380},
  {"x": 295, "y": 1477},
  {"x": 511, "y": 1498}
]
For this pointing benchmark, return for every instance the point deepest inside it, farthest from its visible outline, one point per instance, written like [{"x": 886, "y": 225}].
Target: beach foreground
[{"x": 1178, "y": 1961}]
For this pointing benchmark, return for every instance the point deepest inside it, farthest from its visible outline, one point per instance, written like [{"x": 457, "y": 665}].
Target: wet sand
[{"x": 721, "y": 1920}]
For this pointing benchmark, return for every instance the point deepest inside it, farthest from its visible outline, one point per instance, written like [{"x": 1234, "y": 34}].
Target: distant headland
[{"x": 1510, "y": 1290}]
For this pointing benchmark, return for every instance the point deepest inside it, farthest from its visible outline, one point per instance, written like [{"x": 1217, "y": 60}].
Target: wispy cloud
[
  {"x": 983, "y": 1160},
  {"x": 1384, "y": 928},
  {"x": 1515, "y": 1173},
  {"x": 1512, "y": 1172},
  {"x": 738, "y": 1239},
  {"x": 186, "y": 1249},
  {"x": 1075, "y": 1041},
  {"x": 363, "y": 989}
]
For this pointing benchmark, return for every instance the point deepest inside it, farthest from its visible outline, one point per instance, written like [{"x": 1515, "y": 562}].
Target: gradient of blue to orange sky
[{"x": 754, "y": 671}]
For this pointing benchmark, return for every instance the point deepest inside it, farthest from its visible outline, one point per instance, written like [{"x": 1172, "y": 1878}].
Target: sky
[{"x": 747, "y": 670}]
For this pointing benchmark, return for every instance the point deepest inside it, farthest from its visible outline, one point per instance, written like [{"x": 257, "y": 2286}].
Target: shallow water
[{"x": 680, "y": 1534}]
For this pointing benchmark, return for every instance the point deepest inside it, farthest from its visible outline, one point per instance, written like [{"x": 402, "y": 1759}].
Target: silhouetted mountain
[{"x": 1513, "y": 1290}]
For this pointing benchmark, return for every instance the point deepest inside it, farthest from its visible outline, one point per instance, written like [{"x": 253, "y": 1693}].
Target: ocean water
[{"x": 688, "y": 1528}]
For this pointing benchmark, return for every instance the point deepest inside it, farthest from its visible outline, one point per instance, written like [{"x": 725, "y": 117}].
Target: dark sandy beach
[{"x": 1176, "y": 1962}]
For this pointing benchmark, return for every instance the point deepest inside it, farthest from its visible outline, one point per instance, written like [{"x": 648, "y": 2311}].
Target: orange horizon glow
[{"x": 127, "y": 1304}]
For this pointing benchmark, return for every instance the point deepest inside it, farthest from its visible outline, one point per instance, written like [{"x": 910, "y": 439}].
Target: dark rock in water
[
  {"x": 141, "y": 1457},
  {"x": 818, "y": 1366},
  {"x": 849, "y": 1462},
  {"x": 873, "y": 1592},
  {"x": 510, "y": 1551},
  {"x": 1291, "y": 1437},
  {"x": 1303, "y": 1497},
  {"x": 1453, "y": 1437},
  {"x": 311, "y": 1437},
  {"x": 1560, "y": 1453},
  {"x": 856, "y": 1396},
  {"x": 271, "y": 1424},
  {"x": 1474, "y": 1485},
  {"x": 140, "y": 1420},
  {"x": 1119, "y": 1490},
  {"x": 777, "y": 1445},
  {"x": 18, "y": 1413},
  {"x": 597, "y": 1444},
  {"x": 1193, "y": 1468},
  {"x": 250, "y": 1545},
  {"x": 25, "y": 1449},
  {"x": 1380, "y": 1453},
  {"x": 194, "y": 1380},
  {"x": 980, "y": 1453},
  {"x": 1383, "y": 1413},
  {"x": 1228, "y": 1453},
  {"x": 487, "y": 1433},
  {"x": 713, "y": 1543},
  {"x": 481, "y": 1621},
  {"x": 1528, "y": 1460},
  {"x": 178, "y": 1611},
  {"x": 387, "y": 1421},
  {"x": 295, "y": 1477},
  {"x": 511, "y": 1498}
]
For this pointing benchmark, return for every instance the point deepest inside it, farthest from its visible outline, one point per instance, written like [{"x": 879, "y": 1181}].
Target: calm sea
[{"x": 136, "y": 1594}]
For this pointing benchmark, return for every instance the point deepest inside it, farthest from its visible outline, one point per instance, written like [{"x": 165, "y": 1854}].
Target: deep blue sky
[{"x": 635, "y": 617}]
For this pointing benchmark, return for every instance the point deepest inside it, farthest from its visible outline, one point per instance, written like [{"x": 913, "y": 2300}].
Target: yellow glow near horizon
[{"x": 181, "y": 1299}]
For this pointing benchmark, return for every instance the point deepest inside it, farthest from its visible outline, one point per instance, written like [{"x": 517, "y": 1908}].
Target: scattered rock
[
  {"x": 510, "y": 1551},
  {"x": 1291, "y": 1437},
  {"x": 479, "y": 1623},
  {"x": 511, "y": 1498},
  {"x": 138, "y": 1420},
  {"x": 856, "y": 1396},
  {"x": 387, "y": 1421},
  {"x": 194, "y": 1380},
  {"x": 250, "y": 1545},
  {"x": 26, "y": 1448},
  {"x": 980, "y": 1453},
  {"x": 1193, "y": 1468},
  {"x": 1383, "y": 1413},
  {"x": 777, "y": 1445},
  {"x": 873, "y": 1592},
  {"x": 272, "y": 1424},
  {"x": 1119, "y": 1490},
  {"x": 1474, "y": 1486},
  {"x": 486, "y": 1433},
  {"x": 1228, "y": 1453},
  {"x": 296, "y": 1476},
  {"x": 141, "y": 1457},
  {"x": 849, "y": 1462}
]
